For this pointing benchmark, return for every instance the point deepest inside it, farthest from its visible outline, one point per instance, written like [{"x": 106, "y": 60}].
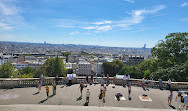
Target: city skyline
[{"x": 113, "y": 23}]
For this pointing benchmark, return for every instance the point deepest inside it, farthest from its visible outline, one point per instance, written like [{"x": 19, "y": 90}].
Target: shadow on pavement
[
  {"x": 79, "y": 98},
  {"x": 45, "y": 99},
  {"x": 36, "y": 93},
  {"x": 172, "y": 107}
]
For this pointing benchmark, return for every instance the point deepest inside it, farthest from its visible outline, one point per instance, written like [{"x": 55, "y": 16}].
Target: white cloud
[
  {"x": 5, "y": 26},
  {"x": 103, "y": 22},
  {"x": 131, "y": 1},
  {"x": 184, "y": 4},
  {"x": 104, "y": 28},
  {"x": 10, "y": 17},
  {"x": 74, "y": 33},
  {"x": 99, "y": 28},
  {"x": 136, "y": 17}
]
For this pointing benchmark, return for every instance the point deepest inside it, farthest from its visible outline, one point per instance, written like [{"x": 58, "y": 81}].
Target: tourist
[
  {"x": 81, "y": 87},
  {"x": 129, "y": 91},
  {"x": 146, "y": 84},
  {"x": 92, "y": 78},
  {"x": 169, "y": 84},
  {"x": 54, "y": 88},
  {"x": 178, "y": 100},
  {"x": 102, "y": 81},
  {"x": 70, "y": 80},
  {"x": 56, "y": 79},
  {"x": 128, "y": 78},
  {"x": 170, "y": 97},
  {"x": 124, "y": 80},
  {"x": 114, "y": 82},
  {"x": 107, "y": 80},
  {"x": 104, "y": 93},
  {"x": 143, "y": 83},
  {"x": 39, "y": 86},
  {"x": 65, "y": 81},
  {"x": 87, "y": 79},
  {"x": 47, "y": 90},
  {"x": 186, "y": 101},
  {"x": 42, "y": 80},
  {"x": 87, "y": 95},
  {"x": 101, "y": 98},
  {"x": 160, "y": 84}
]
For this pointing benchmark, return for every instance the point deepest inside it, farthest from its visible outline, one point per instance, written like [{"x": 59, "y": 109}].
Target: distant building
[
  {"x": 144, "y": 46},
  {"x": 98, "y": 68},
  {"x": 35, "y": 64},
  {"x": 20, "y": 65},
  {"x": 133, "y": 60},
  {"x": 84, "y": 68},
  {"x": 73, "y": 58}
]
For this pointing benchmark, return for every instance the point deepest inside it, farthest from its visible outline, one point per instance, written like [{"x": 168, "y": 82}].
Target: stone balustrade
[{"x": 33, "y": 82}]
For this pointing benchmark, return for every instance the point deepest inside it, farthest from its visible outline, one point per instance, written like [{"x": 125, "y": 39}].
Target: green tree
[
  {"x": 27, "y": 70},
  {"x": 7, "y": 70},
  {"x": 52, "y": 67},
  {"x": 112, "y": 68},
  {"x": 173, "y": 50}
]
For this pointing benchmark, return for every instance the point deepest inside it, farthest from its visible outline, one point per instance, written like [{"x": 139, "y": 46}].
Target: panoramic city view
[{"x": 93, "y": 55}]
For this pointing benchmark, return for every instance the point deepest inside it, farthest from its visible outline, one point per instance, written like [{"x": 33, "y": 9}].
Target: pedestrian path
[{"x": 71, "y": 96}]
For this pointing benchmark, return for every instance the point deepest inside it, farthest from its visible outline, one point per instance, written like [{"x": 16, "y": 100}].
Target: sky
[{"x": 116, "y": 23}]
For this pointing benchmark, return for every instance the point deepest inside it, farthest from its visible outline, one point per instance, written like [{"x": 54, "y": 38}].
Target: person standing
[
  {"x": 54, "y": 88},
  {"x": 92, "y": 78},
  {"x": 70, "y": 80},
  {"x": 128, "y": 78},
  {"x": 39, "y": 86},
  {"x": 81, "y": 87},
  {"x": 56, "y": 79},
  {"x": 169, "y": 84},
  {"x": 107, "y": 80},
  {"x": 47, "y": 90},
  {"x": 114, "y": 82},
  {"x": 102, "y": 81},
  {"x": 129, "y": 91},
  {"x": 101, "y": 98},
  {"x": 87, "y": 79},
  {"x": 170, "y": 97},
  {"x": 104, "y": 94},
  {"x": 87, "y": 95},
  {"x": 124, "y": 80},
  {"x": 160, "y": 84},
  {"x": 178, "y": 100}
]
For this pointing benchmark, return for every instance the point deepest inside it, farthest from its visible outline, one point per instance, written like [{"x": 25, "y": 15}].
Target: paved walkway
[
  {"x": 70, "y": 96},
  {"x": 71, "y": 108}
]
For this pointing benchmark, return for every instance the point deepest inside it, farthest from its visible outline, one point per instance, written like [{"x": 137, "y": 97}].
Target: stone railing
[{"x": 33, "y": 82}]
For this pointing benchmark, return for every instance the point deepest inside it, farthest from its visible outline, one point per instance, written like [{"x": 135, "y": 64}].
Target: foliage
[
  {"x": 53, "y": 67},
  {"x": 7, "y": 70},
  {"x": 112, "y": 68},
  {"x": 170, "y": 60}
]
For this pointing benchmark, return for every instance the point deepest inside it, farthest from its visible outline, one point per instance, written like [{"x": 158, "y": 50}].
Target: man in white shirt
[
  {"x": 169, "y": 84},
  {"x": 70, "y": 80}
]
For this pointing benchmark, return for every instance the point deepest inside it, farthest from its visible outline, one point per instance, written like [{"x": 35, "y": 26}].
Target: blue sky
[{"x": 119, "y": 23}]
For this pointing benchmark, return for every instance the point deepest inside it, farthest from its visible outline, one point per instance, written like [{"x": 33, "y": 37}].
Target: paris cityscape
[{"x": 111, "y": 55}]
